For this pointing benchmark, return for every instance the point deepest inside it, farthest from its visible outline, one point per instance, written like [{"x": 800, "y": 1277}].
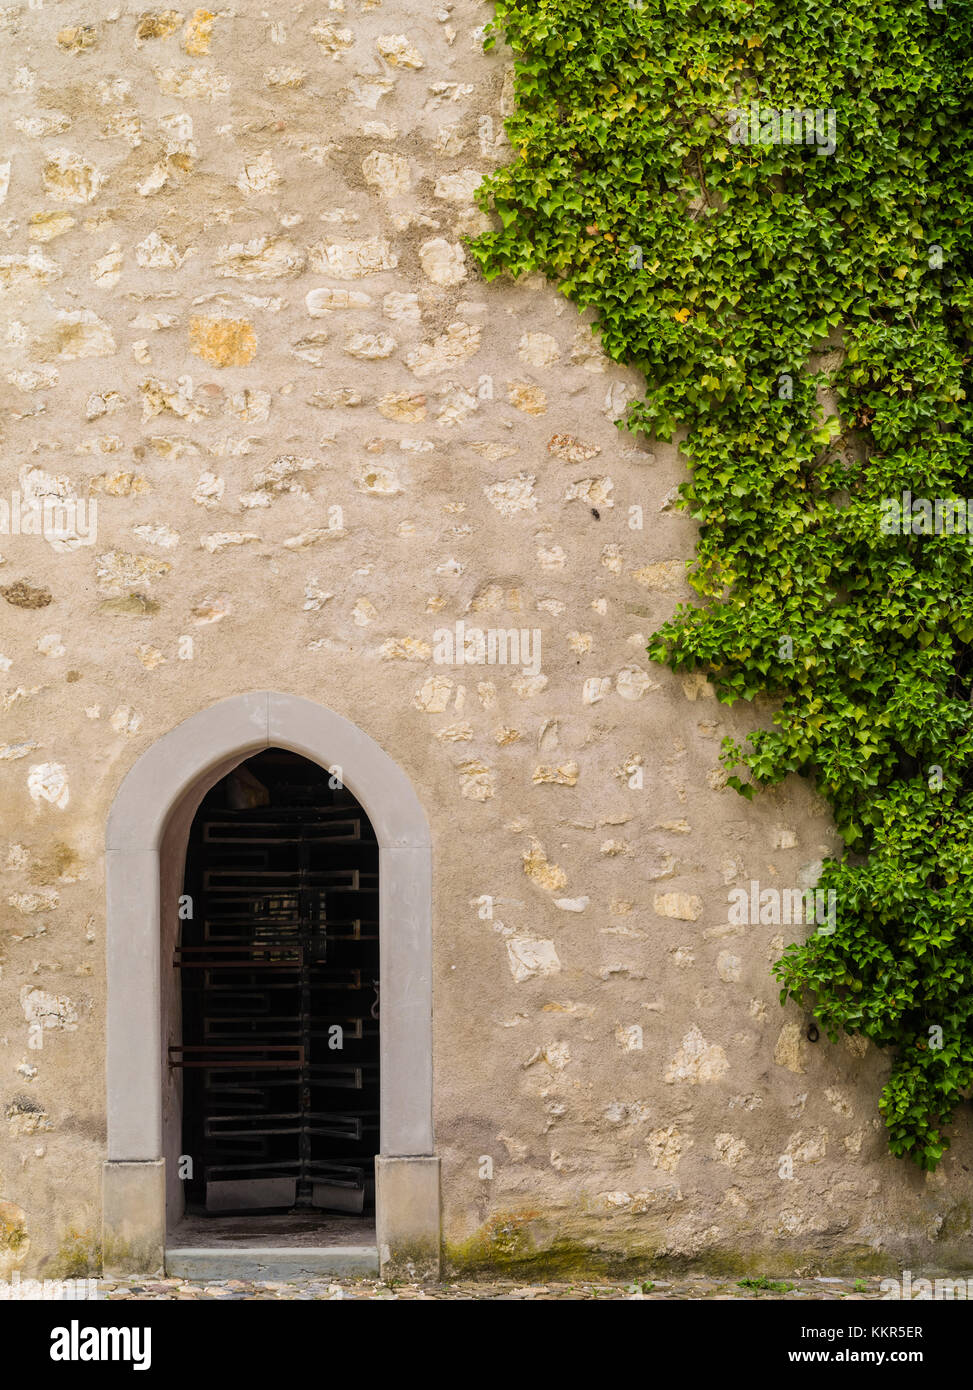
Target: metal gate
[{"x": 279, "y": 967}]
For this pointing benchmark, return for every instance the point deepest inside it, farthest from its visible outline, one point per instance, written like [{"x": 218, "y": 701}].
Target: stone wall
[{"x": 241, "y": 335}]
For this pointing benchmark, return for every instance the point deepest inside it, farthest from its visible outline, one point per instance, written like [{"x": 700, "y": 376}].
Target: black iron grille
[{"x": 279, "y": 968}]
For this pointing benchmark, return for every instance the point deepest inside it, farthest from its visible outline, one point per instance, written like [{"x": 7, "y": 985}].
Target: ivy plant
[{"x": 800, "y": 309}]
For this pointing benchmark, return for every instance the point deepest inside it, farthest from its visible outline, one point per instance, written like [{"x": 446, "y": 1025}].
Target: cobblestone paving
[{"x": 821, "y": 1289}]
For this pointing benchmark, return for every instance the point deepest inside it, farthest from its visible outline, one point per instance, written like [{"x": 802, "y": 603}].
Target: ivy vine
[{"x": 802, "y": 320}]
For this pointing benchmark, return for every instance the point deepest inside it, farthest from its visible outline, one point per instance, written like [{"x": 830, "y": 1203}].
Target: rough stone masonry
[{"x": 240, "y": 328}]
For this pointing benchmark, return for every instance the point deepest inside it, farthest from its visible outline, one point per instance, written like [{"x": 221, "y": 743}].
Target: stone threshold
[{"x": 277, "y": 1263}]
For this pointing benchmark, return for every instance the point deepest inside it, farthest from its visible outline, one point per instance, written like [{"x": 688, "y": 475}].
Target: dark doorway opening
[{"x": 279, "y": 965}]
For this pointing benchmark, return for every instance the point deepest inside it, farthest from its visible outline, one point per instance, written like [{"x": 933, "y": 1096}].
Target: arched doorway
[{"x": 149, "y": 833}]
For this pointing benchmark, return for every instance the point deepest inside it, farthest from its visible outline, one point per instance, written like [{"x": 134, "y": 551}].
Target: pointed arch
[{"x": 147, "y": 825}]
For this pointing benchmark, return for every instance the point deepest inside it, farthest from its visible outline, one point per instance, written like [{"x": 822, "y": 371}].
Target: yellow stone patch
[
  {"x": 563, "y": 776},
  {"x": 158, "y": 25},
  {"x": 14, "y": 1241},
  {"x": 119, "y": 484},
  {"x": 546, "y": 875},
  {"x": 403, "y": 405},
  {"x": 224, "y": 342},
  {"x": 77, "y": 38},
  {"x": 68, "y": 177},
  {"x": 527, "y": 397},
  {"x": 45, "y": 226},
  {"x": 197, "y": 34}
]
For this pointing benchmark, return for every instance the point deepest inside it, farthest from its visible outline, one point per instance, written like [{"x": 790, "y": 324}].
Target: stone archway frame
[{"x": 193, "y": 755}]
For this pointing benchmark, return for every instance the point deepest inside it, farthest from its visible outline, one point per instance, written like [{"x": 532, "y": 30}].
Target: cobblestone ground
[{"x": 818, "y": 1289}]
